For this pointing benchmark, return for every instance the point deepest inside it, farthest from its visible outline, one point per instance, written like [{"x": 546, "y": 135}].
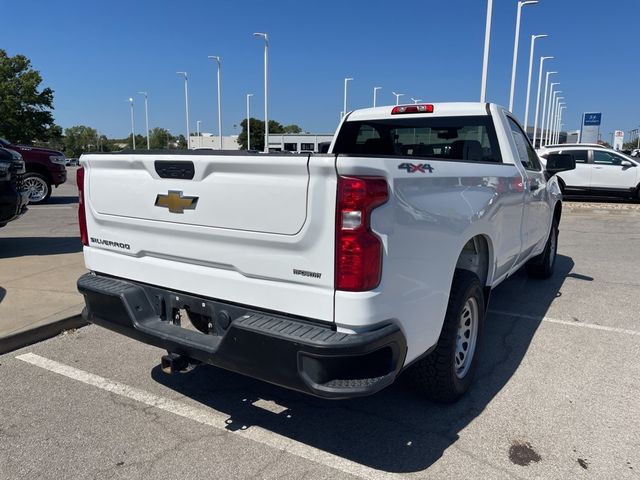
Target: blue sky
[{"x": 97, "y": 54}]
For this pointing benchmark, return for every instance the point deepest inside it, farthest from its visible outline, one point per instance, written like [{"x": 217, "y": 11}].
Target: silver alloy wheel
[
  {"x": 37, "y": 188},
  {"x": 466, "y": 337}
]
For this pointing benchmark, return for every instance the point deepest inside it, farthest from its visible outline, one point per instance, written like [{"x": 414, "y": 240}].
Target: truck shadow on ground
[
  {"x": 3, "y": 293},
  {"x": 395, "y": 430},
  {"x": 26, "y": 246},
  {"x": 63, "y": 200}
]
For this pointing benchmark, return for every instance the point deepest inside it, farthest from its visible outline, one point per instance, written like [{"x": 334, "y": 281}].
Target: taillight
[
  {"x": 358, "y": 249},
  {"x": 82, "y": 216},
  {"x": 400, "y": 109}
]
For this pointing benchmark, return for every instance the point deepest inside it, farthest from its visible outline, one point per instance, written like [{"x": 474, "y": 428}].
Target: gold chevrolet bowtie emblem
[{"x": 175, "y": 202}]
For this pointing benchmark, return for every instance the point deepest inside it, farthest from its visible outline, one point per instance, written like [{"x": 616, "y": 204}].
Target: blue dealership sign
[{"x": 592, "y": 119}]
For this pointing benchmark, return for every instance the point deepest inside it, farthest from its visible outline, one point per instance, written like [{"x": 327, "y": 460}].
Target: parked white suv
[{"x": 599, "y": 170}]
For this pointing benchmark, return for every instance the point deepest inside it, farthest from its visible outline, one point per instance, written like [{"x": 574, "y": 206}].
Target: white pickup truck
[{"x": 325, "y": 273}]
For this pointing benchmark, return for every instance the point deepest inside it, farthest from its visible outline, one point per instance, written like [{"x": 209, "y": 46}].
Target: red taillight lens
[
  {"x": 82, "y": 217},
  {"x": 358, "y": 249},
  {"x": 401, "y": 109}
]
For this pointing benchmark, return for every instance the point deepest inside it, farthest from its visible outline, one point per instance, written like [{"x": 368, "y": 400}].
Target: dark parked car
[
  {"x": 13, "y": 197},
  {"x": 45, "y": 168}
]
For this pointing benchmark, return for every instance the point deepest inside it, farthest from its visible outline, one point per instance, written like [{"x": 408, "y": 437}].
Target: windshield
[
  {"x": 4, "y": 142},
  {"x": 450, "y": 138}
]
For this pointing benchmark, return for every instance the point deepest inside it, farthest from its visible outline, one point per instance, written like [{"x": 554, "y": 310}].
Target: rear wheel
[
  {"x": 37, "y": 186},
  {"x": 542, "y": 265},
  {"x": 447, "y": 372}
]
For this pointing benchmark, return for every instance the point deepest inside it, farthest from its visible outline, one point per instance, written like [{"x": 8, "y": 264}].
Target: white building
[
  {"x": 209, "y": 140},
  {"x": 297, "y": 142}
]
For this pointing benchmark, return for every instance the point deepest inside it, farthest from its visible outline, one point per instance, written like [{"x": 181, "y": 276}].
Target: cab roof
[{"x": 445, "y": 109}]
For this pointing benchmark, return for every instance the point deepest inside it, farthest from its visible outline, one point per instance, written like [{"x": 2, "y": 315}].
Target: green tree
[
  {"x": 180, "y": 141},
  {"x": 159, "y": 138},
  {"x": 141, "y": 142},
  {"x": 25, "y": 109},
  {"x": 80, "y": 139},
  {"x": 257, "y": 132}
]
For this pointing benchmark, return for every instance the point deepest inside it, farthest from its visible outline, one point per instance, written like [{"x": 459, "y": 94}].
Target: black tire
[
  {"x": 39, "y": 187},
  {"x": 541, "y": 266},
  {"x": 436, "y": 376}
]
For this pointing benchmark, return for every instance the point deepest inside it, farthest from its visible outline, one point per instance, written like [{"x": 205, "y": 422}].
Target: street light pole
[
  {"x": 249, "y": 95},
  {"x": 544, "y": 107},
  {"x": 516, "y": 42},
  {"x": 198, "y": 122},
  {"x": 186, "y": 103},
  {"x": 535, "y": 128},
  {"x": 218, "y": 60},
  {"x": 375, "y": 94},
  {"x": 346, "y": 81},
  {"x": 545, "y": 125},
  {"x": 547, "y": 109},
  {"x": 416, "y": 100},
  {"x": 133, "y": 129},
  {"x": 563, "y": 106},
  {"x": 552, "y": 112},
  {"x": 266, "y": 88},
  {"x": 398, "y": 95},
  {"x": 485, "y": 59},
  {"x": 146, "y": 116},
  {"x": 526, "y": 108}
]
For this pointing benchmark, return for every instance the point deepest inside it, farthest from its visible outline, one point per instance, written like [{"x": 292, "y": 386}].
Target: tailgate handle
[{"x": 167, "y": 169}]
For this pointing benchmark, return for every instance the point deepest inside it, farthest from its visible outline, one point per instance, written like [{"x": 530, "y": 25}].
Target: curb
[{"x": 38, "y": 334}]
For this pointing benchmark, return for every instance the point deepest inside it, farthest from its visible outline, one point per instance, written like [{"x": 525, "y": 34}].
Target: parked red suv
[{"x": 45, "y": 168}]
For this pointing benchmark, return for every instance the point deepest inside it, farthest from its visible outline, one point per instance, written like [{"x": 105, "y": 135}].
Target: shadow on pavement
[
  {"x": 394, "y": 430},
  {"x": 62, "y": 200},
  {"x": 25, "y": 246},
  {"x": 3, "y": 293}
]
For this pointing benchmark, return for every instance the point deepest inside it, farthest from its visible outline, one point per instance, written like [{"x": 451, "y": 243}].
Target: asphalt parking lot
[{"x": 556, "y": 395}]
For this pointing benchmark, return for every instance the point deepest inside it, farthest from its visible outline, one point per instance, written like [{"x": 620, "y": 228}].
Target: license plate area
[{"x": 206, "y": 316}]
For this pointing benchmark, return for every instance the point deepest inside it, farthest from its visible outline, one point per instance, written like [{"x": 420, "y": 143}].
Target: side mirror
[
  {"x": 559, "y": 162},
  {"x": 627, "y": 163}
]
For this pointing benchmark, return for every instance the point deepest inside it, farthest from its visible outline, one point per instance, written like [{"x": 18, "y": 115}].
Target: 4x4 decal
[{"x": 413, "y": 168}]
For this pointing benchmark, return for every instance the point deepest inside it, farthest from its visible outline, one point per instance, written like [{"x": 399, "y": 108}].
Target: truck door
[{"x": 537, "y": 212}]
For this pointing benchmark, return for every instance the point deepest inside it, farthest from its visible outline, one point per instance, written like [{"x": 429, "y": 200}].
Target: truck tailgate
[{"x": 251, "y": 229}]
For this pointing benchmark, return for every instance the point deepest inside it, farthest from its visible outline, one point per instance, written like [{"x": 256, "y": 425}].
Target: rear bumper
[{"x": 294, "y": 353}]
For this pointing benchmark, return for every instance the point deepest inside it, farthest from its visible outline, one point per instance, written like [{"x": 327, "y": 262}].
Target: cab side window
[
  {"x": 526, "y": 153},
  {"x": 580, "y": 156},
  {"x": 606, "y": 158}
]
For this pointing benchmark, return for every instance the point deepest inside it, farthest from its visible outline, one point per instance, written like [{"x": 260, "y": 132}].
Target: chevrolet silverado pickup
[{"x": 327, "y": 273}]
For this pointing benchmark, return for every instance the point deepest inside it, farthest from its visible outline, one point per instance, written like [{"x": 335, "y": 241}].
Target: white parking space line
[
  {"x": 566, "y": 322},
  {"x": 210, "y": 418}
]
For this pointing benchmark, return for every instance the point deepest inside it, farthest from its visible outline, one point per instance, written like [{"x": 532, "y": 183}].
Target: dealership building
[{"x": 289, "y": 142}]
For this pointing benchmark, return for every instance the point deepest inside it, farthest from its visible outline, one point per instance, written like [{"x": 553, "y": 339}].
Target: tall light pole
[
  {"x": 218, "y": 60},
  {"x": 485, "y": 59},
  {"x": 265, "y": 37},
  {"x": 146, "y": 116},
  {"x": 398, "y": 95},
  {"x": 133, "y": 129},
  {"x": 535, "y": 128},
  {"x": 198, "y": 122},
  {"x": 346, "y": 81},
  {"x": 552, "y": 107},
  {"x": 186, "y": 103},
  {"x": 559, "y": 122},
  {"x": 556, "y": 120},
  {"x": 526, "y": 108},
  {"x": 416, "y": 100},
  {"x": 546, "y": 109},
  {"x": 515, "y": 51},
  {"x": 249, "y": 95},
  {"x": 375, "y": 94}
]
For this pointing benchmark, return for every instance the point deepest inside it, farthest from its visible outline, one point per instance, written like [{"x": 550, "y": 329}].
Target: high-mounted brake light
[
  {"x": 358, "y": 249},
  {"x": 82, "y": 216},
  {"x": 400, "y": 109}
]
